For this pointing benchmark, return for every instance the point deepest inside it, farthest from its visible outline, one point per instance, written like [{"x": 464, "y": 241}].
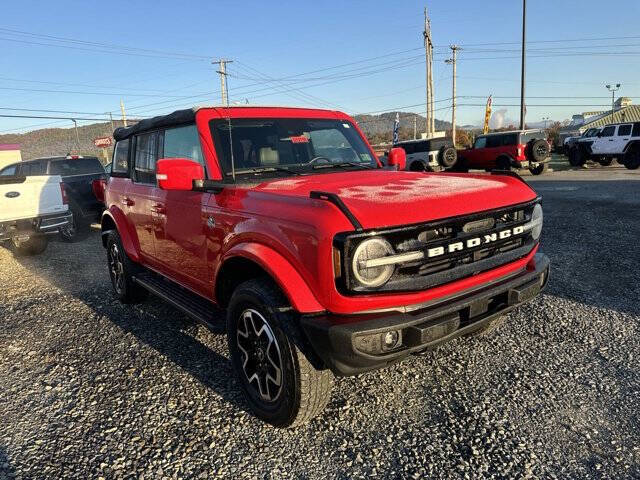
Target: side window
[
  {"x": 511, "y": 139},
  {"x": 146, "y": 155},
  {"x": 9, "y": 171},
  {"x": 120, "y": 164},
  {"x": 636, "y": 129},
  {"x": 32, "y": 169},
  {"x": 481, "y": 142},
  {"x": 494, "y": 141},
  {"x": 183, "y": 142},
  {"x": 624, "y": 130},
  {"x": 608, "y": 131},
  {"x": 408, "y": 148}
]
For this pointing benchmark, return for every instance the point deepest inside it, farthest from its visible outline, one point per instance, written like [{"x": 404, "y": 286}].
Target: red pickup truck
[{"x": 326, "y": 262}]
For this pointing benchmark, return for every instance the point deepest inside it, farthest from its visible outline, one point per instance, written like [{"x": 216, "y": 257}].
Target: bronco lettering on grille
[{"x": 474, "y": 242}]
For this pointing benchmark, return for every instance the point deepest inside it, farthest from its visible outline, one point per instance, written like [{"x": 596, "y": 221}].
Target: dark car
[
  {"x": 428, "y": 155},
  {"x": 77, "y": 174}
]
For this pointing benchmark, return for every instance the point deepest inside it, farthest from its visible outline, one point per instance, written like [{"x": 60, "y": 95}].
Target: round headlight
[
  {"x": 536, "y": 222},
  {"x": 371, "y": 249}
]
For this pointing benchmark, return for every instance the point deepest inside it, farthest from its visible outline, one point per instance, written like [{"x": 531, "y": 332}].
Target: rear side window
[
  {"x": 408, "y": 147},
  {"x": 120, "y": 164},
  {"x": 624, "y": 130},
  {"x": 494, "y": 141},
  {"x": 636, "y": 129},
  {"x": 608, "y": 131},
  {"x": 146, "y": 155},
  {"x": 75, "y": 166},
  {"x": 183, "y": 142},
  {"x": 31, "y": 169},
  {"x": 510, "y": 139}
]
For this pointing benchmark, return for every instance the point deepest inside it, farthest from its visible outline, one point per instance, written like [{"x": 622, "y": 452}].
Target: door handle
[{"x": 128, "y": 201}]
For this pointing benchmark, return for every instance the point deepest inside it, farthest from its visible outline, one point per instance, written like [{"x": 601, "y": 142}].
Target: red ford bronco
[
  {"x": 325, "y": 262},
  {"x": 507, "y": 150}
]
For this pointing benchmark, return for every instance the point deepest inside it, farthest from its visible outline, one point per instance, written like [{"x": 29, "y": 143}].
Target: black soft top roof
[{"x": 178, "y": 117}]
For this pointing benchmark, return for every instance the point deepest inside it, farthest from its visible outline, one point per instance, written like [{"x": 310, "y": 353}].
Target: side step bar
[{"x": 193, "y": 305}]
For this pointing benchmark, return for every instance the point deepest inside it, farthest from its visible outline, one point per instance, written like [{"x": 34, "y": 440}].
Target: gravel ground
[{"x": 90, "y": 388}]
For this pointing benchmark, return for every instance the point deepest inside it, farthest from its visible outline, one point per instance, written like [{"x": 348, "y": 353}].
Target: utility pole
[
  {"x": 111, "y": 120},
  {"x": 222, "y": 63},
  {"x": 415, "y": 127},
  {"x": 452, "y": 61},
  {"x": 522, "y": 73},
  {"x": 75, "y": 124},
  {"x": 124, "y": 114},
  {"x": 428, "y": 48},
  {"x": 613, "y": 89}
]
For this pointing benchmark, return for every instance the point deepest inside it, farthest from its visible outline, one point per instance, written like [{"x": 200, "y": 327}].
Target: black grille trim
[{"x": 430, "y": 272}]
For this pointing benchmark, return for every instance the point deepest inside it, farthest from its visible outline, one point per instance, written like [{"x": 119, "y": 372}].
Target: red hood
[{"x": 383, "y": 198}]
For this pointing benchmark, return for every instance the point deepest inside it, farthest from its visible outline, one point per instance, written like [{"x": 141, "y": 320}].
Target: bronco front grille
[{"x": 452, "y": 249}]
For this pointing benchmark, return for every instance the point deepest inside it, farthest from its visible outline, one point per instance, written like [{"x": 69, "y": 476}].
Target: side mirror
[
  {"x": 397, "y": 158},
  {"x": 178, "y": 173}
]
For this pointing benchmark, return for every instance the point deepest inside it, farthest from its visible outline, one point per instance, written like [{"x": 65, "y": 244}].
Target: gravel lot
[{"x": 90, "y": 388}]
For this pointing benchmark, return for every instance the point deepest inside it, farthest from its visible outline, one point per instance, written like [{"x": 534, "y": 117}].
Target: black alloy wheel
[{"x": 261, "y": 357}]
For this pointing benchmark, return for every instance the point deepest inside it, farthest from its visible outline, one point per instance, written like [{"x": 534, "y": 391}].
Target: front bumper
[
  {"x": 30, "y": 226},
  {"x": 345, "y": 342}
]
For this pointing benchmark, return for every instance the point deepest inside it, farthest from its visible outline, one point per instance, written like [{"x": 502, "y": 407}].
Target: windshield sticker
[
  {"x": 298, "y": 139},
  {"x": 365, "y": 157},
  {"x": 346, "y": 125}
]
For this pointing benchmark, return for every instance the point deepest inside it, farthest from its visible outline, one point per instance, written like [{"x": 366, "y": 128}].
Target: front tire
[
  {"x": 266, "y": 346},
  {"x": 121, "y": 271}
]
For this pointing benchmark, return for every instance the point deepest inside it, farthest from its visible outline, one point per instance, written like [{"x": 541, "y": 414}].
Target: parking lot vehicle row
[{"x": 615, "y": 141}]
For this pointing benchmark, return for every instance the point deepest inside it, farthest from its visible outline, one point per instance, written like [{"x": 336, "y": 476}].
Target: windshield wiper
[
  {"x": 343, "y": 164},
  {"x": 258, "y": 170}
]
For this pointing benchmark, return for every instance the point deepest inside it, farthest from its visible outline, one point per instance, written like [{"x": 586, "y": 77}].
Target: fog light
[{"x": 391, "y": 340}]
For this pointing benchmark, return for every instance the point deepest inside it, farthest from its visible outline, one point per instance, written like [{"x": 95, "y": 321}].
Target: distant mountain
[
  {"x": 62, "y": 141},
  {"x": 379, "y": 128}
]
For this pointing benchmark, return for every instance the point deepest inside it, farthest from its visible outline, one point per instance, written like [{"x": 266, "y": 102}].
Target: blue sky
[{"x": 363, "y": 56}]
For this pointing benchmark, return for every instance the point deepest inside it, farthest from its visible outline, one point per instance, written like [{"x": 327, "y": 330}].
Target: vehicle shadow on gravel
[{"x": 153, "y": 322}]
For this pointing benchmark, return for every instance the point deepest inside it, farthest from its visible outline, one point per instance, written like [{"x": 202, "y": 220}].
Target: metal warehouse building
[{"x": 623, "y": 112}]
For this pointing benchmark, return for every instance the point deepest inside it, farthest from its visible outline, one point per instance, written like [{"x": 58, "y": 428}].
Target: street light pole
[
  {"x": 522, "y": 73},
  {"x": 613, "y": 89}
]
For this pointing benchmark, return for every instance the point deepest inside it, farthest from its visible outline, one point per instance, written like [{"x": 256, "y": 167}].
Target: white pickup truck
[{"x": 31, "y": 207}]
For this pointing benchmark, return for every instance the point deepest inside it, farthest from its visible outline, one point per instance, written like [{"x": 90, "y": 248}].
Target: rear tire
[
  {"x": 266, "y": 346},
  {"x": 35, "y": 245},
  {"x": 121, "y": 271},
  {"x": 488, "y": 327},
  {"x": 503, "y": 163},
  {"x": 632, "y": 158}
]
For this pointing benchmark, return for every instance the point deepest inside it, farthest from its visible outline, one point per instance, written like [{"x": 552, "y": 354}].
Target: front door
[{"x": 181, "y": 224}]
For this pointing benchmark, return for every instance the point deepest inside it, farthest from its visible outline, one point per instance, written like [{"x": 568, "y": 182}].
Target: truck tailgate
[{"x": 30, "y": 197}]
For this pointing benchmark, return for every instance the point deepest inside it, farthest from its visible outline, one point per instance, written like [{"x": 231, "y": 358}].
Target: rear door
[
  {"x": 623, "y": 135},
  {"x": 474, "y": 155},
  {"x": 141, "y": 194},
  {"x": 605, "y": 142}
]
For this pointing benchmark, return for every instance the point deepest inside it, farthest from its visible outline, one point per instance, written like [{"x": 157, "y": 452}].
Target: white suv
[{"x": 620, "y": 141}]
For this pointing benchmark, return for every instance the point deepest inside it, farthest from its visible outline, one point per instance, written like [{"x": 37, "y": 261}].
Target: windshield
[{"x": 289, "y": 146}]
